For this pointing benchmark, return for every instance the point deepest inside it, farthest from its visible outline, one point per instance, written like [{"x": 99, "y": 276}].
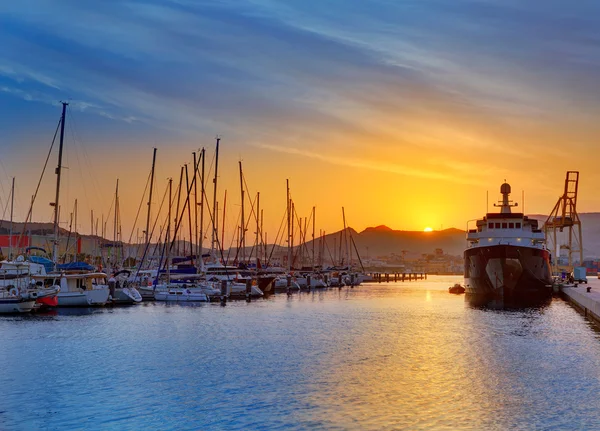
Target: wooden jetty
[{"x": 386, "y": 277}]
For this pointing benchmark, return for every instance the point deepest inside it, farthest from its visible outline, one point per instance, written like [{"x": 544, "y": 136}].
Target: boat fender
[{"x": 14, "y": 291}]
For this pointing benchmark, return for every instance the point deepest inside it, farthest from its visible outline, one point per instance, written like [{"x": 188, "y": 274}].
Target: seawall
[{"x": 588, "y": 303}]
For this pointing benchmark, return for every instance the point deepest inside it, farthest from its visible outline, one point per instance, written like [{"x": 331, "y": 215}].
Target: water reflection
[
  {"x": 502, "y": 303},
  {"x": 390, "y": 356}
]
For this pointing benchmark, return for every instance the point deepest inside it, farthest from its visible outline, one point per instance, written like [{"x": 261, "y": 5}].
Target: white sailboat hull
[
  {"x": 87, "y": 298},
  {"x": 127, "y": 295},
  {"x": 16, "y": 305},
  {"x": 181, "y": 295}
]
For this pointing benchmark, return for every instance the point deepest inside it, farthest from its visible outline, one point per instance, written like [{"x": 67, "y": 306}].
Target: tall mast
[
  {"x": 76, "y": 243},
  {"x": 168, "y": 241},
  {"x": 195, "y": 207},
  {"x": 92, "y": 234},
  {"x": 289, "y": 218},
  {"x": 150, "y": 196},
  {"x": 292, "y": 232},
  {"x": 202, "y": 205},
  {"x": 243, "y": 227},
  {"x": 346, "y": 239},
  {"x": 263, "y": 240},
  {"x": 30, "y": 221},
  {"x": 215, "y": 214},
  {"x": 189, "y": 208},
  {"x": 304, "y": 239},
  {"x": 223, "y": 227},
  {"x": 58, "y": 172},
  {"x": 301, "y": 243},
  {"x": 258, "y": 245},
  {"x": 115, "y": 228},
  {"x": 313, "y": 239},
  {"x": 12, "y": 205}
]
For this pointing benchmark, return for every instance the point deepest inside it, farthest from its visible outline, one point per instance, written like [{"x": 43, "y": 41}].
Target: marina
[
  {"x": 379, "y": 356},
  {"x": 332, "y": 216}
]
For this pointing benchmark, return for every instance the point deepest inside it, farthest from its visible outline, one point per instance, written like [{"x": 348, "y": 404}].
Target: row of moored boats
[{"x": 31, "y": 282}]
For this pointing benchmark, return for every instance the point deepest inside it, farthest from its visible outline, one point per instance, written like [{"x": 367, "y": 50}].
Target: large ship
[{"x": 506, "y": 254}]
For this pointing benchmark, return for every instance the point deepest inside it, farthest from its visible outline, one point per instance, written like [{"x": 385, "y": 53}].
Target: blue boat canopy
[{"x": 75, "y": 266}]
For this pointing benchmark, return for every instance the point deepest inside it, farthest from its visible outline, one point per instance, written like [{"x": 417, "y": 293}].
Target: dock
[
  {"x": 588, "y": 303},
  {"x": 386, "y": 277}
]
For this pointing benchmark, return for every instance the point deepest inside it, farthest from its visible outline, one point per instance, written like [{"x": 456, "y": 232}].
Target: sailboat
[{"x": 76, "y": 289}]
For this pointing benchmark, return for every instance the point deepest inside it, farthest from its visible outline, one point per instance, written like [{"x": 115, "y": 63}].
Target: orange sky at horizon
[{"x": 373, "y": 190}]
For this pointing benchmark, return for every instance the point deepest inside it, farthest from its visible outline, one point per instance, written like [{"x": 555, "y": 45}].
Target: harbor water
[{"x": 377, "y": 357}]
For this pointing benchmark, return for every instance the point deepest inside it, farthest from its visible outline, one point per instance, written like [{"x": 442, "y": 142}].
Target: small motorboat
[{"x": 457, "y": 288}]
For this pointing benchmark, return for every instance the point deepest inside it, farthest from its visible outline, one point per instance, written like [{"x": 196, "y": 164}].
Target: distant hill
[
  {"x": 384, "y": 241},
  {"x": 36, "y": 228}
]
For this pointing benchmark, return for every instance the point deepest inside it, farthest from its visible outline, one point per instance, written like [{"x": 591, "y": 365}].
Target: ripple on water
[{"x": 390, "y": 356}]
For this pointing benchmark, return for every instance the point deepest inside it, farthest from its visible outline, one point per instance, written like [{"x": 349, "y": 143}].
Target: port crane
[{"x": 564, "y": 216}]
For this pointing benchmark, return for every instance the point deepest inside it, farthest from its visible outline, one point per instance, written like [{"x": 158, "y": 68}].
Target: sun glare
[{"x": 427, "y": 229}]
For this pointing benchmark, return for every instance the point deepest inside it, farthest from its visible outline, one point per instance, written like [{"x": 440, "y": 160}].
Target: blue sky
[{"x": 465, "y": 85}]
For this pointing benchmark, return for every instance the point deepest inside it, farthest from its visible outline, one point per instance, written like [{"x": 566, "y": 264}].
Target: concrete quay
[{"x": 588, "y": 303}]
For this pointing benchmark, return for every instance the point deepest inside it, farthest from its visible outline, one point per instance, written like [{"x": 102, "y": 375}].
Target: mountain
[
  {"x": 35, "y": 228},
  {"x": 383, "y": 241}
]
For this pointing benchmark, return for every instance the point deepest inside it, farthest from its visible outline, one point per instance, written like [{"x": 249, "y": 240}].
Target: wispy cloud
[{"x": 384, "y": 166}]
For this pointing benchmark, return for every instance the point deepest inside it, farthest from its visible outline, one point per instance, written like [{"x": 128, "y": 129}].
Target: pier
[
  {"x": 386, "y": 277},
  {"x": 588, "y": 303}
]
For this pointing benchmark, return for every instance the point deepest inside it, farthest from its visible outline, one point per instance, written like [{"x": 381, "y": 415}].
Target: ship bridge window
[
  {"x": 497, "y": 225},
  {"x": 504, "y": 225},
  {"x": 511, "y": 225},
  {"x": 518, "y": 225},
  {"x": 490, "y": 225}
]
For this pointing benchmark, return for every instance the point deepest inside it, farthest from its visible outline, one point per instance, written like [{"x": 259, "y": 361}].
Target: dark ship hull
[{"x": 507, "y": 271}]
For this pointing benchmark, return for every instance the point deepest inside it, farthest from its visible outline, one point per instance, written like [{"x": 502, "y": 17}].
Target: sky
[{"x": 406, "y": 113}]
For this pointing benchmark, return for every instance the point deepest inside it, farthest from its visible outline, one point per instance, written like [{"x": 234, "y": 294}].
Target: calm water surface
[{"x": 390, "y": 356}]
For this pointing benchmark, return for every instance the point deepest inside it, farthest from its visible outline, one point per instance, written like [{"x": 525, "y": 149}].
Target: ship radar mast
[{"x": 506, "y": 204}]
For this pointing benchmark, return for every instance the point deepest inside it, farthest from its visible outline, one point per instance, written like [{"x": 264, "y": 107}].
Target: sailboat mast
[
  {"x": 115, "y": 231},
  {"x": 76, "y": 243},
  {"x": 215, "y": 214},
  {"x": 189, "y": 210},
  {"x": 195, "y": 207},
  {"x": 168, "y": 241},
  {"x": 223, "y": 229},
  {"x": 346, "y": 239},
  {"x": 243, "y": 224},
  {"x": 58, "y": 172},
  {"x": 289, "y": 255},
  {"x": 202, "y": 205},
  {"x": 150, "y": 196},
  {"x": 12, "y": 205},
  {"x": 292, "y": 233},
  {"x": 258, "y": 245},
  {"x": 313, "y": 238}
]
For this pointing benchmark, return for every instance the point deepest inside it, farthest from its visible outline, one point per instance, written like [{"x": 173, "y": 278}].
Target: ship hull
[{"x": 507, "y": 271}]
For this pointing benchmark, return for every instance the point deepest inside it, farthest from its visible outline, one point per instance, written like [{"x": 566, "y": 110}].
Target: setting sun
[{"x": 427, "y": 229}]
